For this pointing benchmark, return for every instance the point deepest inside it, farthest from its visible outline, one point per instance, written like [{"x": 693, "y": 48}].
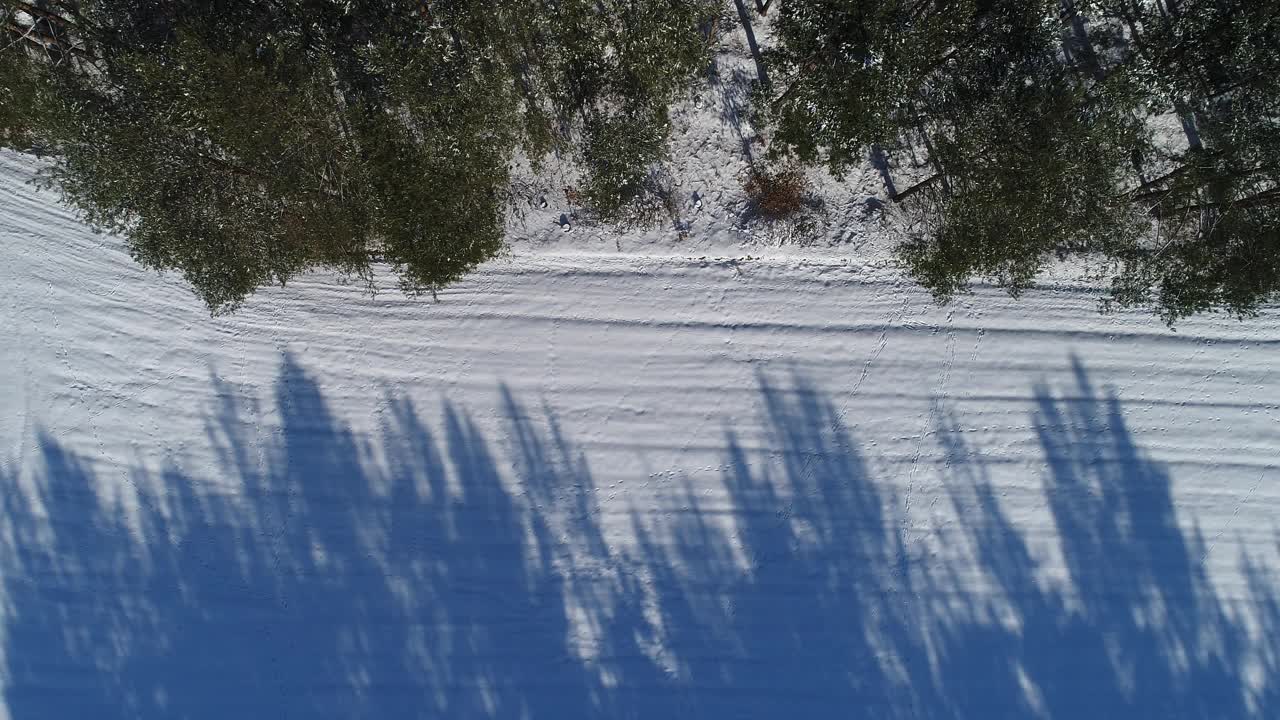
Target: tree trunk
[
  {"x": 39, "y": 13},
  {"x": 1079, "y": 43},
  {"x": 1141, "y": 191},
  {"x": 804, "y": 70},
  {"x": 745, "y": 17},
  {"x": 899, "y": 197},
  {"x": 1262, "y": 199},
  {"x": 880, "y": 160}
]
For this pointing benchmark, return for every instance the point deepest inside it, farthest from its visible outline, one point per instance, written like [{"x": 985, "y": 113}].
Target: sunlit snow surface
[{"x": 624, "y": 486}]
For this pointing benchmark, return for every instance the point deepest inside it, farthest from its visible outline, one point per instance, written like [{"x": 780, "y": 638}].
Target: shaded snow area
[{"x": 624, "y": 486}]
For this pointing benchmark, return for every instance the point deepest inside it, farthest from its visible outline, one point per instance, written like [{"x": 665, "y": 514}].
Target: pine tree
[
  {"x": 1032, "y": 173},
  {"x": 655, "y": 50},
  {"x": 1216, "y": 204},
  {"x": 858, "y": 73},
  {"x": 1039, "y": 147},
  {"x": 244, "y": 143}
]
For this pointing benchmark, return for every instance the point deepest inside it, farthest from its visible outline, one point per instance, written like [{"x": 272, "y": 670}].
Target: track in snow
[{"x": 624, "y": 487}]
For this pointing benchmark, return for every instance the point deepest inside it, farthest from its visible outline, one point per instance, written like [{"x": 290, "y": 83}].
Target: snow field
[{"x": 624, "y": 485}]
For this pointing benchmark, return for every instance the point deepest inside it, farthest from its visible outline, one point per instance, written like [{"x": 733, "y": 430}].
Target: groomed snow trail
[{"x": 624, "y": 486}]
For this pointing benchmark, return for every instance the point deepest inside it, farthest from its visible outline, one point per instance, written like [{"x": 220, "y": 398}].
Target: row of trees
[
  {"x": 1037, "y": 123},
  {"x": 242, "y": 143}
]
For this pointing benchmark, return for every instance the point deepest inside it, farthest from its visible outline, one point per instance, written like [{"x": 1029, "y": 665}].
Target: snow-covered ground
[{"x": 624, "y": 485}]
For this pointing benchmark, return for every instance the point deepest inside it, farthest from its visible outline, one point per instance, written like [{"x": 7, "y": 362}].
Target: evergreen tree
[
  {"x": 1032, "y": 172},
  {"x": 1216, "y": 204},
  {"x": 624, "y": 98},
  {"x": 861, "y": 72},
  {"x": 1039, "y": 148},
  {"x": 244, "y": 143}
]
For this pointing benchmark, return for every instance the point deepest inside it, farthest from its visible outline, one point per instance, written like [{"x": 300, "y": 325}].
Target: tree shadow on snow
[{"x": 430, "y": 571}]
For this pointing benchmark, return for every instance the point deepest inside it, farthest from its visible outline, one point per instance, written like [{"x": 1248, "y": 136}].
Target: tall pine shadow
[
  {"x": 1135, "y": 628},
  {"x": 429, "y": 571},
  {"x": 307, "y": 583},
  {"x": 785, "y": 612}
]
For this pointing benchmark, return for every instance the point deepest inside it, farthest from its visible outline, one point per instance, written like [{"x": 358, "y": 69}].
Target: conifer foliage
[
  {"x": 243, "y": 143},
  {"x": 1034, "y": 121}
]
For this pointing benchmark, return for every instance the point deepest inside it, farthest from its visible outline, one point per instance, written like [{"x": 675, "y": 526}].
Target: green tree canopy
[
  {"x": 244, "y": 143},
  {"x": 1038, "y": 145}
]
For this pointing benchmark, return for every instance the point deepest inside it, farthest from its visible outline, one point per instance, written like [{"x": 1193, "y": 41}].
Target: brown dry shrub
[{"x": 776, "y": 194}]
